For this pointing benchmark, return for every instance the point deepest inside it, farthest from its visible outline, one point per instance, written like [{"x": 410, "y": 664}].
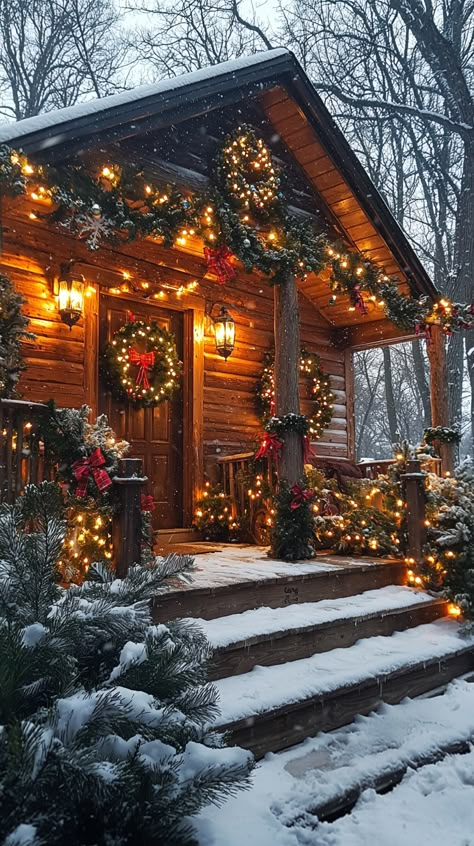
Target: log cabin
[
  {"x": 170, "y": 131},
  {"x": 394, "y": 644}
]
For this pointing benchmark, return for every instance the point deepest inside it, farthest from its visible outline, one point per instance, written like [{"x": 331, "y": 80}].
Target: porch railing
[
  {"x": 372, "y": 469},
  {"x": 22, "y": 459},
  {"x": 235, "y": 467},
  {"x": 23, "y": 462}
]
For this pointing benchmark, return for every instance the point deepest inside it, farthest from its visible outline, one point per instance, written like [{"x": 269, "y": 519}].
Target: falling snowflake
[{"x": 94, "y": 229}]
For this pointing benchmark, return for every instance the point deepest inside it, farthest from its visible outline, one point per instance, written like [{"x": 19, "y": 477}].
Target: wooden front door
[{"x": 155, "y": 434}]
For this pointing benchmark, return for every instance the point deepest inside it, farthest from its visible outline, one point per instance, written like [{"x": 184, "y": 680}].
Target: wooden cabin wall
[
  {"x": 230, "y": 421},
  {"x": 58, "y": 362},
  {"x": 55, "y": 359}
]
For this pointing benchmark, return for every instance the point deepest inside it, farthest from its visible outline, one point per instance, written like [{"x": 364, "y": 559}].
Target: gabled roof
[
  {"x": 290, "y": 102},
  {"x": 128, "y": 111}
]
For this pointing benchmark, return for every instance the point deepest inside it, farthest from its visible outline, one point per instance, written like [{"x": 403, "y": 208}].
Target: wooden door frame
[{"x": 193, "y": 384}]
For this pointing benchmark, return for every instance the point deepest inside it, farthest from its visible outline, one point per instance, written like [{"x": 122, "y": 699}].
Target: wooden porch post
[
  {"x": 414, "y": 484},
  {"x": 287, "y": 363},
  {"x": 127, "y": 523},
  {"x": 439, "y": 394}
]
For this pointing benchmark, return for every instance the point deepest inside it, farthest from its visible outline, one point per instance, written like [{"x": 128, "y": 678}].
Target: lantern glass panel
[{"x": 224, "y": 329}]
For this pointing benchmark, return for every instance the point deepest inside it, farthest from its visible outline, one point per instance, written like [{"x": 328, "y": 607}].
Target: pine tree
[
  {"x": 13, "y": 331},
  {"x": 105, "y": 717}
]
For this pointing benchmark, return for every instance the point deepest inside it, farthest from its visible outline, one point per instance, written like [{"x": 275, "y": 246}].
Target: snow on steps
[
  {"x": 243, "y": 578},
  {"x": 271, "y": 708},
  {"x": 267, "y": 636},
  {"x": 292, "y": 787},
  {"x": 375, "y": 752}
]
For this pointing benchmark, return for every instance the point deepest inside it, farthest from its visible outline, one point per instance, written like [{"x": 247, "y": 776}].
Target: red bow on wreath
[
  {"x": 83, "y": 467},
  {"x": 270, "y": 445},
  {"x": 144, "y": 361},
  {"x": 218, "y": 261},
  {"x": 147, "y": 502},
  {"x": 300, "y": 495}
]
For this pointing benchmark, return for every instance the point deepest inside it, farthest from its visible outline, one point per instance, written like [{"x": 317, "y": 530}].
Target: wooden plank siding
[
  {"x": 342, "y": 205},
  {"x": 63, "y": 364}
]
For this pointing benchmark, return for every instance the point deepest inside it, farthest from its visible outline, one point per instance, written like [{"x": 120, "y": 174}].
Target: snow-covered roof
[{"x": 14, "y": 132}]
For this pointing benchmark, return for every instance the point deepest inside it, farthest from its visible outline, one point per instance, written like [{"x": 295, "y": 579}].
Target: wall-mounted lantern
[
  {"x": 70, "y": 290},
  {"x": 224, "y": 332}
]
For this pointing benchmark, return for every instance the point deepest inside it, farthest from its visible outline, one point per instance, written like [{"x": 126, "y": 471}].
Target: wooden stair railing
[
  {"x": 22, "y": 460},
  {"x": 231, "y": 466}
]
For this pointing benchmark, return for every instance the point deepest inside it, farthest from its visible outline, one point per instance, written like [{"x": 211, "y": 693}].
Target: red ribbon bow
[
  {"x": 270, "y": 445},
  {"x": 147, "y": 502},
  {"x": 300, "y": 495},
  {"x": 83, "y": 467},
  {"x": 218, "y": 261},
  {"x": 144, "y": 361},
  {"x": 426, "y": 328},
  {"x": 358, "y": 300}
]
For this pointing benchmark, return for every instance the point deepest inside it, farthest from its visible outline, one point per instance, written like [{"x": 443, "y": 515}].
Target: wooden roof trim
[
  {"x": 361, "y": 185},
  {"x": 226, "y": 84}
]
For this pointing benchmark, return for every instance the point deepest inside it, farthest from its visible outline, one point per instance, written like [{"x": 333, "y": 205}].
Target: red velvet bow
[
  {"x": 144, "y": 361},
  {"x": 308, "y": 451},
  {"x": 426, "y": 328},
  {"x": 218, "y": 261},
  {"x": 300, "y": 495},
  {"x": 147, "y": 502},
  {"x": 83, "y": 467},
  {"x": 270, "y": 445},
  {"x": 358, "y": 300}
]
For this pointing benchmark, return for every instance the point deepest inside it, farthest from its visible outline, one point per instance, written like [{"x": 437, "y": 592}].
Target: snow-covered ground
[{"x": 433, "y": 805}]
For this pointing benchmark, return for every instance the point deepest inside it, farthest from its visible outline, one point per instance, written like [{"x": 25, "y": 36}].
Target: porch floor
[
  {"x": 238, "y": 577},
  {"x": 222, "y": 564}
]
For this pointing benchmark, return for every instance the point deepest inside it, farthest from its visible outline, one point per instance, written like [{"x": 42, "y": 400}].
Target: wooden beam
[
  {"x": 439, "y": 394},
  {"x": 375, "y": 333},
  {"x": 350, "y": 407},
  {"x": 287, "y": 369}
]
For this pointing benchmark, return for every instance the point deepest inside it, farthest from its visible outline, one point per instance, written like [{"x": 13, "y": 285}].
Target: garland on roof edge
[{"x": 244, "y": 213}]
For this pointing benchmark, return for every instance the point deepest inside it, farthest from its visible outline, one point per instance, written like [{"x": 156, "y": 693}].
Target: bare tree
[
  {"x": 402, "y": 71},
  {"x": 54, "y": 52},
  {"x": 179, "y": 36}
]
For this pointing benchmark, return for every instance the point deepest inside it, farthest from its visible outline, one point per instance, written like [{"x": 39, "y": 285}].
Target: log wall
[{"x": 61, "y": 363}]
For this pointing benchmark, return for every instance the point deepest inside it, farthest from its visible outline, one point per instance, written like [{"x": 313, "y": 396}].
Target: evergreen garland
[
  {"x": 443, "y": 434},
  {"x": 292, "y": 533},
  {"x": 245, "y": 209},
  {"x": 13, "y": 331},
  {"x": 68, "y": 437},
  {"x": 318, "y": 391},
  {"x": 288, "y": 423},
  {"x": 105, "y": 716}
]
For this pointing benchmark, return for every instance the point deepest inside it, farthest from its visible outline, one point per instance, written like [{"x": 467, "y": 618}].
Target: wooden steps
[
  {"x": 278, "y": 591},
  {"x": 305, "y": 648},
  {"x": 293, "y": 644},
  {"x": 171, "y": 537},
  {"x": 292, "y": 723}
]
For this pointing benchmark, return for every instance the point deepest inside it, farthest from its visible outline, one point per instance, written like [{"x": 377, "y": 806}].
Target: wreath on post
[
  {"x": 141, "y": 364},
  {"x": 318, "y": 391}
]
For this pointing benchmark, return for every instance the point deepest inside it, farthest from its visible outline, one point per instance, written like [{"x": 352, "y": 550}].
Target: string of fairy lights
[{"x": 244, "y": 209}]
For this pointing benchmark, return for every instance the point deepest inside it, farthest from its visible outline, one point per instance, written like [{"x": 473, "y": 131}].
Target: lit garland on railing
[{"x": 245, "y": 209}]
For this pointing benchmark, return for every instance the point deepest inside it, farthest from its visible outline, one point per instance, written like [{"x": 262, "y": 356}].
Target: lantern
[
  {"x": 224, "y": 331},
  {"x": 71, "y": 288}
]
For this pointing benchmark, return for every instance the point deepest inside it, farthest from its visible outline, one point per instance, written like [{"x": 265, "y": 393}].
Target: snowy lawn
[{"x": 434, "y": 805}]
